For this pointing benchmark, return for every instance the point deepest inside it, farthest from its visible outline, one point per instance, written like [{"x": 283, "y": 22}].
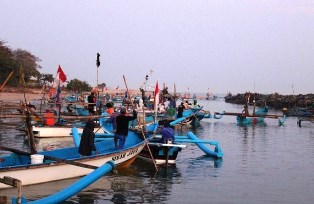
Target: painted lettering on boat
[
  {"x": 132, "y": 152},
  {"x": 119, "y": 156},
  {"x": 123, "y": 155}
]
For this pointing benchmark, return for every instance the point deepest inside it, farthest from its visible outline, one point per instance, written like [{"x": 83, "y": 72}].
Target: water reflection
[
  {"x": 259, "y": 162},
  {"x": 139, "y": 183}
]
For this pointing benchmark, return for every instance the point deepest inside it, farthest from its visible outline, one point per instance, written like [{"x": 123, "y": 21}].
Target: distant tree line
[{"x": 24, "y": 66}]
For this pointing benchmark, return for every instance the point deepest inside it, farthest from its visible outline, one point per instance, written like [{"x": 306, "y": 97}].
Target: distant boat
[
  {"x": 303, "y": 114},
  {"x": 257, "y": 117}
]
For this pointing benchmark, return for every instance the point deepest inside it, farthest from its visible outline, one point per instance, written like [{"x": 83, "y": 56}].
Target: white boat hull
[
  {"x": 41, "y": 173},
  {"x": 43, "y": 132}
]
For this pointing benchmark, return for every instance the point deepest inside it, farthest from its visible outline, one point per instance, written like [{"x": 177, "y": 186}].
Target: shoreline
[{"x": 18, "y": 97}]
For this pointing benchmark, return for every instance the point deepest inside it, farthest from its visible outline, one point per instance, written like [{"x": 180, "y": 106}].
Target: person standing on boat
[
  {"x": 91, "y": 99},
  {"x": 87, "y": 145},
  {"x": 180, "y": 110},
  {"x": 122, "y": 122}
]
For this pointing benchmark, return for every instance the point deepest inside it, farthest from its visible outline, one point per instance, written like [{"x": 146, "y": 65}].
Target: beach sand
[{"x": 17, "y": 97}]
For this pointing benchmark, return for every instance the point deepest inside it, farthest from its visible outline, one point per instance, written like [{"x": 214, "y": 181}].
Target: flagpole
[
  {"x": 97, "y": 65},
  {"x": 156, "y": 101}
]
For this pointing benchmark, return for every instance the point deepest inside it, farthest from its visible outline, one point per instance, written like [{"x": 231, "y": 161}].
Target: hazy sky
[{"x": 216, "y": 45}]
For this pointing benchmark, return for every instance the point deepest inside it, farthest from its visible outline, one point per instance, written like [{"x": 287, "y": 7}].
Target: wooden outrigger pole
[{"x": 274, "y": 116}]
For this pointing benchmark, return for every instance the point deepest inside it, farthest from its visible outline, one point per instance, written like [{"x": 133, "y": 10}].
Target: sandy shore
[{"x": 17, "y": 97}]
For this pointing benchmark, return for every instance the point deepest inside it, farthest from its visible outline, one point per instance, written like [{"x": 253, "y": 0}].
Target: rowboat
[{"x": 66, "y": 163}]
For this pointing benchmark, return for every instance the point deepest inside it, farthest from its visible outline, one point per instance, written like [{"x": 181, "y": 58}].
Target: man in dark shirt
[
  {"x": 122, "y": 122},
  {"x": 91, "y": 103},
  {"x": 180, "y": 110}
]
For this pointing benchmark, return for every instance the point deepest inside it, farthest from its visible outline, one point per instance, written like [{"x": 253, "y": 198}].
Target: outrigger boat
[
  {"x": 166, "y": 153},
  {"x": 303, "y": 114},
  {"x": 62, "y": 128},
  {"x": 192, "y": 116},
  {"x": 257, "y": 117},
  {"x": 66, "y": 163},
  {"x": 63, "y": 194},
  {"x": 162, "y": 153}
]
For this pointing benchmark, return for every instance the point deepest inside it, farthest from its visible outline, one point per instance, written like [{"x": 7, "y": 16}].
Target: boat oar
[{"x": 50, "y": 158}]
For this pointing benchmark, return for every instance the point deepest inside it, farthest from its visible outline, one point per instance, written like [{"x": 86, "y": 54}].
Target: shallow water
[{"x": 262, "y": 164}]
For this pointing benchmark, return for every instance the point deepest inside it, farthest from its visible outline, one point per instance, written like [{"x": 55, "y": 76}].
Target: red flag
[
  {"x": 61, "y": 74},
  {"x": 156, "y": 97}
]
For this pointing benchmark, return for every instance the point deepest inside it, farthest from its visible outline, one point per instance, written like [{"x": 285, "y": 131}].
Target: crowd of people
[{"x": 120, "y": 119}]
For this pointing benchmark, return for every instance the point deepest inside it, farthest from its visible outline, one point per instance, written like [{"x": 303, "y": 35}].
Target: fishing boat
[
  {"x": 66, "y": 163},
  {"x": 62, "y": 128},
  {"x": 55, "y": 131},
  {"x": 161, "y": 153},
  {"x": 192, "y": 117},
  {"x": 166, "y": 153},
  {"x": 59, "y": 131},
  {"x": 65, "y": 193},
  {"x": 257, "y": 117},
  {"x": 302, "y": 114}
]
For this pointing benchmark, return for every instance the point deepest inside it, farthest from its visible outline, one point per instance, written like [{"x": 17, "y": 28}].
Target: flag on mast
[
  {"x": 61, "y": 75},
  {"x": 156, "y": 94},
  {"x": 60, "y": 78}
]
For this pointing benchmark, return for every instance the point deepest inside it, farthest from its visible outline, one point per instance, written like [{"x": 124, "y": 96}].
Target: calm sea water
[{"x": 262, "y": 164}]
